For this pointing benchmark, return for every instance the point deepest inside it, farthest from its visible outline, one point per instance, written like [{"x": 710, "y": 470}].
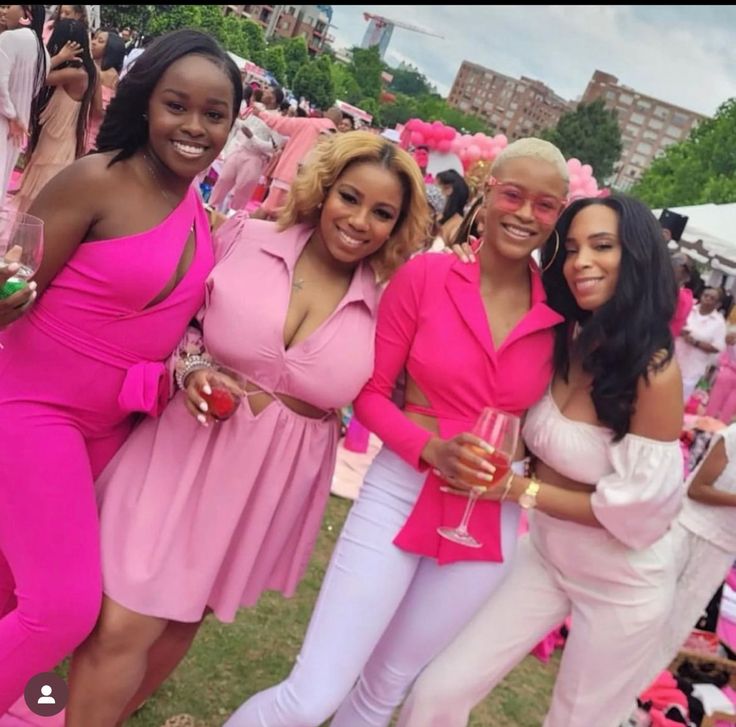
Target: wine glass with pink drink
[{"x": 500, "y": 430}]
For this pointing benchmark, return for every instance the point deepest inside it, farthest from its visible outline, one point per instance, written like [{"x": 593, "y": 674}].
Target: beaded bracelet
[{"x": 191, "y": 364}]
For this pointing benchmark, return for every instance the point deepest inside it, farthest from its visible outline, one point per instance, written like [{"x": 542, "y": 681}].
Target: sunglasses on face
[{"x": 509, "y": 197}]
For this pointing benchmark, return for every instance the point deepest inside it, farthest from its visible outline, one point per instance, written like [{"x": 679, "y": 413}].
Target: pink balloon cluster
[
  {"x": 472, "y": 148},
  {"x": 582, "y": 181},
  {"x": 435, "y": 135}
]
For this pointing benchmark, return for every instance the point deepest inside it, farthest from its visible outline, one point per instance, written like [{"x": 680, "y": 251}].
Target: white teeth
[
  {"x": 519, "y": 232},
  {"x": 187, "y": 150},
  {"x": 587, "y": 284},
  {"x": 350, "y": 240}
]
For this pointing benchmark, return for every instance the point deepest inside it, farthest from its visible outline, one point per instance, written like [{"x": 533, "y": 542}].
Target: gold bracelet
[{"x": 507, "y": 487}]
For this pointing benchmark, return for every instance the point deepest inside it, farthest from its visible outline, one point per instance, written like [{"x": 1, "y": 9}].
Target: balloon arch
[{"x": 474, "y": 148}]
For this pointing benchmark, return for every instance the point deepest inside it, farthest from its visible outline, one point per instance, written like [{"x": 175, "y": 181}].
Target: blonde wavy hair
[{"x": 329, "y": 160}]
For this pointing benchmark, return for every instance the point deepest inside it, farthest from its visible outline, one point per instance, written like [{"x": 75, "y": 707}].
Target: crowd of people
[{"x": 572, "y": 316}]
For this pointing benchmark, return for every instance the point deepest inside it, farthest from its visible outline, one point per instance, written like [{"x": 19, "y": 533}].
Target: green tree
[
  {"x": 399, "y": 111},
  {"x": 409, "y": 80},
  {"x": 296, "y": 56},
  {"x": 372, "y": 107},
  {"x": 590, "y": 134},
  {"x": 314, "y": 82},
  {"x": 235, "y": 39},
  {"x": 256, "y": 41},
  {"x": 212, "y": 21},
  {"x": 179, "y": 16},
  {"x": 346, "y": 87},
  {"x": 698, "y": 170},
  {"x": 276, "y": 63},
  {"x": 366, "y": 68}
]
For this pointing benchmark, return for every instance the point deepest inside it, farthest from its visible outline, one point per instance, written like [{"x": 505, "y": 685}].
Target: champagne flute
[
  {"x": 21, "y": 242},
  {"x": 500, "y": 431}
]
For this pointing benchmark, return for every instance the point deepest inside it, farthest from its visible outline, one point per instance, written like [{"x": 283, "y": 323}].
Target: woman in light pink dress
[
  {"x": 57, "y": 136},
  {"x": 108, "y": 53},
  {"x": 198, "y": 516}
]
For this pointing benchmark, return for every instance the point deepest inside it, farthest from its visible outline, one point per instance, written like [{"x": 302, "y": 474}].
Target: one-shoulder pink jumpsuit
[{"x": 73, "y": 373}]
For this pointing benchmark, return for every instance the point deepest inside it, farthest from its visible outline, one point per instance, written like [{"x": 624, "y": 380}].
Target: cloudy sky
[{"x": 684, "y": 54}]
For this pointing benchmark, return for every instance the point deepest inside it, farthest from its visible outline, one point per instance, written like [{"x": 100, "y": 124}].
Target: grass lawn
[{"x": 229, "y": 663}]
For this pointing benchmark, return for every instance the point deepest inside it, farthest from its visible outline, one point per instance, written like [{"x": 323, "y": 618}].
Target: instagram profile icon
[{"x": 46, "y": 694}]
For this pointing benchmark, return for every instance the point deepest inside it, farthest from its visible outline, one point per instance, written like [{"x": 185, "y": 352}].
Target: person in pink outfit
[
  {"x": 303, "y": 134},
  {"x": 468, "y": 336},
  {"x": 253, "y": 146},
  {"x": 127, "y": 252},
  {"x": 605, "y": 489},
  {"x": 198, "y": 517},
  {"x": 683, "y": 271},
  {"x": 722, "y": 399},
  {"x": 58, "y": 130},
  {"x": 108, "y": 53}
]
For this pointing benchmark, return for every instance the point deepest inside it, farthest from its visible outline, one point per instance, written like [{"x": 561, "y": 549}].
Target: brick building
[
  {"x": 516, "y": 107},
  {"x": 648, "y": 125}
]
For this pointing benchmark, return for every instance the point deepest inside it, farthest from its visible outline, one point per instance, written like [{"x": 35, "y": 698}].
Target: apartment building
[
  {"x": 516, "y": 107},
  {"x": 648, "y": 125}
]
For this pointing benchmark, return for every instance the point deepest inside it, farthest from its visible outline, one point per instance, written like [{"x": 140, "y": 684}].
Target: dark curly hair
[
  {"x": 629, "y": 336},
  {"x": 125, "y": 128}
]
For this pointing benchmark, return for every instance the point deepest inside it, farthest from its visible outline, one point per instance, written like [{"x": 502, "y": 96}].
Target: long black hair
[
  {"x": 458, "y": 197},
  {"x": 37, "y": 15},
  {"x": 66, "y": 30},
  {"x": 125, "y": 127},
  {"x": 629, "y": 336},
  {"x": 114, "y": 54}
]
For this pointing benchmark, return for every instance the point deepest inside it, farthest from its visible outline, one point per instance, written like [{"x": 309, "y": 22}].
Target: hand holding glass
[
  {"x": 21, "y": 242},
  {"x": 500, "y": 431}
]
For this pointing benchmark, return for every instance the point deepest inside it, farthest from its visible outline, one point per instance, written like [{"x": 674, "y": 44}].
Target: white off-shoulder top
[{"x": 638, "y": 482}]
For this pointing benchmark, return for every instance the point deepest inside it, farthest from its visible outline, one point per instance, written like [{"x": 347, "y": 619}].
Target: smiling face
[
  {"x": 360, "y": 211},
  {"x": 189, "y": 115},
  {"x": 593, "y": 256},
  {"x": 514, "y": 235}
]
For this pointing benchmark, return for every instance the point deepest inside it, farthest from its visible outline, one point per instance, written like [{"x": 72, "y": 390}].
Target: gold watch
[{"x": 528, "y": 498}]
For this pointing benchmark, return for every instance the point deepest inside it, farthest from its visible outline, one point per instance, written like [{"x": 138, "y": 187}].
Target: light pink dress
[{"x": 195, "y": 517}]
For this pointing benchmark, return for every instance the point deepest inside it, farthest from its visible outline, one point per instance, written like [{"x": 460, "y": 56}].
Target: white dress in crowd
[
  {"x": 705, "y": 549},
  {"x": 18, "y": 66},
  {"x": 708, "y": 328}
]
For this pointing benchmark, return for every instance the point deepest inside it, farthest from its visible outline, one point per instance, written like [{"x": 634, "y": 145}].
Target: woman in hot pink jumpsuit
[{"x": 123, "y": 274}]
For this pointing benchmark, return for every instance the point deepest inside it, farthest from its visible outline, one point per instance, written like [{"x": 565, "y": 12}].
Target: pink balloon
[
  {"x": 575, "y": 181},
  {"x": 412, "y": 124},
  {"x": 501, "y": 140},
  {"x": 426, "y": 128},
  {"x": 587, "y": 170},
  {"x": 444, "y": 145},
  {"x": 417, "y": 138},
  {"x": 449, "y": 133},
  {"x": 574, "y": 165},
  {"x": 474, "y": 152},
  {"x": 437, "y": 125}
]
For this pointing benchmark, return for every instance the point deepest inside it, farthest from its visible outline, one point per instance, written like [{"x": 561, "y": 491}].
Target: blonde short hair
[
  {"x": 329, "y": 160},
  {"x": 531, "y": 147}
]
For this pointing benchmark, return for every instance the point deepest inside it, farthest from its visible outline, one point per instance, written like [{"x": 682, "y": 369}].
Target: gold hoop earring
[{"x": 554, "y": 255}]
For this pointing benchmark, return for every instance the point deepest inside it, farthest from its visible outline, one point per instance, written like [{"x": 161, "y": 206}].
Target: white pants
[
  {"x": 701, "y": 567},
  {"x": 618, "y": 598},
  {"x": 381, "y": 616}
]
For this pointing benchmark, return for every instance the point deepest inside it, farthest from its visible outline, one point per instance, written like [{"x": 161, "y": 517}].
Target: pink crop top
[{"x": 432, "y": 322}]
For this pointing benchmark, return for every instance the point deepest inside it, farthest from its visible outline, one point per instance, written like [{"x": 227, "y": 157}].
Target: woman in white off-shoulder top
[{"x": 608, "y": 483}]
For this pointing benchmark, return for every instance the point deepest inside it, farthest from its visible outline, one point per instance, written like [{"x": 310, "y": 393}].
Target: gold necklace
[{"x": 164, "y": 193}]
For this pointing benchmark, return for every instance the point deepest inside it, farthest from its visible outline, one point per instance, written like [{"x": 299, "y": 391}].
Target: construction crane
[{"x": 380, "y": 29}]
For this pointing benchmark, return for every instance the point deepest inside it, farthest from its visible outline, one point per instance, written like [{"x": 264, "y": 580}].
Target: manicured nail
[
  {"x": 203, "y": 406},
  {"x": 486, "y": 477},
  {"x": 32, "y": 285},
  {"x": 202, "y": 419},
  {"x": 207, "y": 390},
  {"x": 12, "y": 267},
  {"x": 472, "y": 258},
  {"x": 488, "y": 466}
]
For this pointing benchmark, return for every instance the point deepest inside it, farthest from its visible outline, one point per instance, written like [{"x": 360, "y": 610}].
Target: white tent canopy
[{"x": 714, "y": 224}]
